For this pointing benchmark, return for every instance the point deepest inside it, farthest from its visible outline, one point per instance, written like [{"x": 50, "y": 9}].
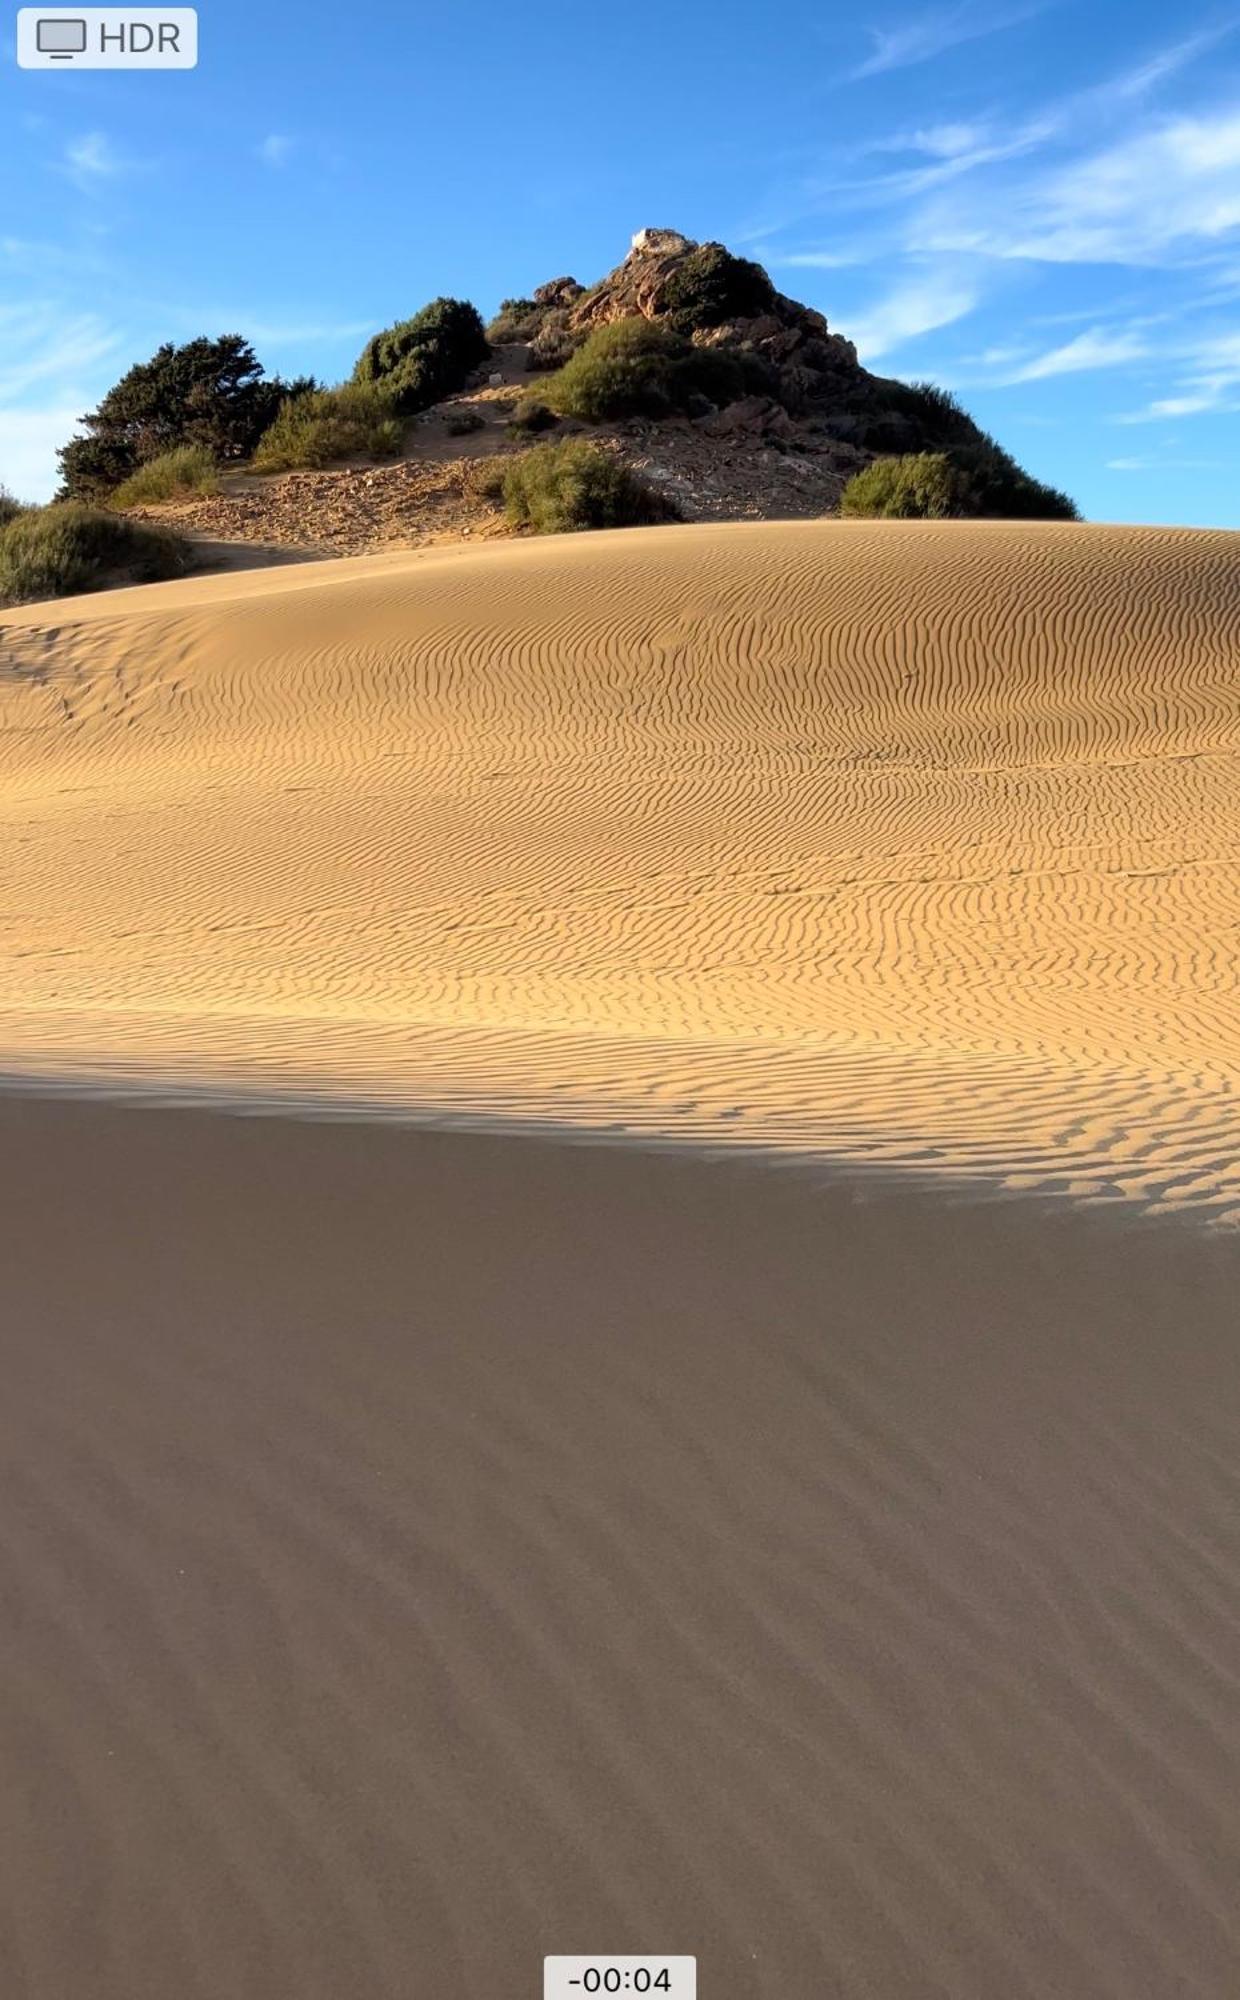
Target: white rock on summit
[{"x": 661, "y": 242}]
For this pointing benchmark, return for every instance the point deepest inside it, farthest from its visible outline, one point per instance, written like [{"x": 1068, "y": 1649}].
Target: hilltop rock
[{"x": 660, "y": 243}]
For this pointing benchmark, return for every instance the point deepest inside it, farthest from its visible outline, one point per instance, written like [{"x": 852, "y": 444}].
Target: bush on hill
[
  {"x": 59, "y": 550},
  {"x": 517, "y": 319},
  {"x": 426, "y": 357},
  {"x": 211, "y": 393},
  {"x": 483, "y": 478},
  {"x": 711, "y": 287},
  {"x": 555, "y": 342},
  {"x": 1003, "y": 490},
  {"x": 941, "y": 486},
  {"x": 557, "y": 489},
  {"x": 353, "y": 421},
  {"x": 9, "y": 507},
  {"x": 532, "y": 415},
  {"x": 639, "y": 367},
  {"x": 177, "y": 474},
  {"x": 922, "y": 486}
]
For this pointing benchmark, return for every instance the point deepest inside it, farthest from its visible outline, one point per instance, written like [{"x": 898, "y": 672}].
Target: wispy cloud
[
  {"x": 52, "y": 348},
  {"x": 1208, "y": 380},
  {"x": 1164, "y": 464},
  {"x": 1097, "y": 348},
  {"x": 92, "y": 157},
  {"x": 931, "y": 34},
  {"x": 919, "y": 305},
  {"x": 1155, "y": 197},
  {"x": 29, "y": 440},
  {"x": 276, "y": 149}
]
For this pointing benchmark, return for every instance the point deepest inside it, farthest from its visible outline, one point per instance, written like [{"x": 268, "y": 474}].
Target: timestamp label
[{"x": 663, "y": 1978}]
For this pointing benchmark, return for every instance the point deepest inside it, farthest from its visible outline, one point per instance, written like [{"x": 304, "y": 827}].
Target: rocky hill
[{"x": 806, "y": 418}]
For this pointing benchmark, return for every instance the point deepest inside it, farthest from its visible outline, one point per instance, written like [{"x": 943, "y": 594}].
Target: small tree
[
  {"x": 426, "y": 357},
  {"x": 206, "y": 392}
]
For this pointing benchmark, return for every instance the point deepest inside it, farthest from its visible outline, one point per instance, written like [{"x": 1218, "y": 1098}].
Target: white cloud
[
  {"x": 1151, "y": 199},
  {"x": 816, "y": 260},
  {"x": 1095, "y": 349},
  {"x": 276, "y": 149},
  {"x": 52, "y": 348},
  {"x": 28, "y": 443},
  {"x": 918, "y": 41},
  {"x": 918, "y": 306},
  {"x": 1164, "y": 464},
  {"x": 91, "y": 158}
]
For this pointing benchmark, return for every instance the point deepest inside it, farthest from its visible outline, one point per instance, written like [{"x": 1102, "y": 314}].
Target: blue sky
[{"x": 1036, "y": 204}]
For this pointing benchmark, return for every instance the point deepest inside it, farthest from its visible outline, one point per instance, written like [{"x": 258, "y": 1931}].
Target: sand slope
[
  {"x": 422, "y": 1551},
  {"x": 910, "y": 843}
]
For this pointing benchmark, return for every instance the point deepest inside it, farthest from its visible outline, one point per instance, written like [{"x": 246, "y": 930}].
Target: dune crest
[{"x": 911, "y": 844}]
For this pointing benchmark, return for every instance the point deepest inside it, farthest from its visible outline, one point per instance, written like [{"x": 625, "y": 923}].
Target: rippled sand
[
  {"x": 908, "y": 845},
  {"x": 421, "y": 1550}
]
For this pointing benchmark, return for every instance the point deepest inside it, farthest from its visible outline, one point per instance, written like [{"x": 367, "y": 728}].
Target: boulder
[{"x": 661, "y": 243}]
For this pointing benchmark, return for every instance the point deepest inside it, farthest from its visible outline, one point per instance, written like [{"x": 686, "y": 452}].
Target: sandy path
[
  {"x": 421, "y": 1551},
  {"x": 914, "y": 845}
]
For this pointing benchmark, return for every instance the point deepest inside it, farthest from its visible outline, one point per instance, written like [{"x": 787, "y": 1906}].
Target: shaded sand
[
  {"x": 421, "y": 1551},
  {"x": 903, "y": 844}
]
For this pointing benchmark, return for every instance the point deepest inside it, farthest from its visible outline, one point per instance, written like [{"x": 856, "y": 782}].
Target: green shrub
[
  {"x": 639, "y": 367},
  {"x": 558, "y": 488},
  {"x": 459, "y": 423},
  {"x": 59, "y": 550},
  {"x": 330, "y": 424},
  {"x": 938, "y": 418},
  {"x": 923, "y": 486},
  {"x": 555, "y": 343},
  {"x": 211, "y": 393},
  {"x": 1000, "y": 489},
  {"x": 424, "y": 358},
  {"x": 532, "y": 415},
  {"x": 174, "y": 475},
  {"x": 711, "y": 287},
  {"x": 9, "y": 507},
  {"x": 961, "y": 485},
  {"x": 517, "y": 319}
]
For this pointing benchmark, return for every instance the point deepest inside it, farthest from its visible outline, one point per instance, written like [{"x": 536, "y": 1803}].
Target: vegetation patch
[
  {"x": 59, "y": 550},
  {"x": 967, "y": 484},
  {"x": 180, "y": 474},
  {"x": 640, "y": 367},
  {"x": 517, "y": 319},
  {"x": 557, "y": 489},
  {"x": 483, "y": 478},
  {"x": 209, "y": 393},
  {"x": 9, "y": 507},
  {"x": 425, "y": 358},
  {"x": 531, "y": 415},
  {"x": 711, "y": 287},
  {"x": 353, "y": 421}
]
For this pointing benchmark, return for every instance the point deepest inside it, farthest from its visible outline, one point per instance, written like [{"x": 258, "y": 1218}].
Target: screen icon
[{"x": 60, "y": 39}]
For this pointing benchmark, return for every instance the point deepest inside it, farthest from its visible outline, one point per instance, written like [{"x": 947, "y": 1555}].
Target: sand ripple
[{"x": 913, "y": 843}]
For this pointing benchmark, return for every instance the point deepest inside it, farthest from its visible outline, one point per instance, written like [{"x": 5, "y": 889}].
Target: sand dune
[
  {"x": 907, "y": 844},
  {"x": 423, "y": 1550}
]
